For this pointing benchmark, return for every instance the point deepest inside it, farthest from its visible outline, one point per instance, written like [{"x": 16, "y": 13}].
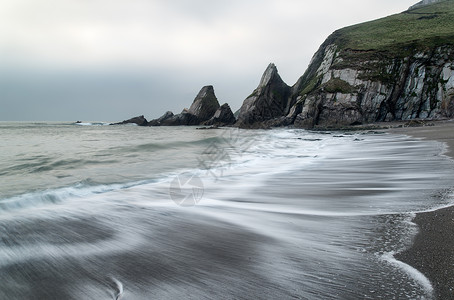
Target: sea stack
[
  {"x": 268, "y": 101},
  {"x": 205, "y": 104}
]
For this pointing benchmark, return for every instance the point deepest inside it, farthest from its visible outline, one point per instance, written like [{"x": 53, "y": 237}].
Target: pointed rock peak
[
  {"x": 204, "y": 92},
  {"x": 270, "y": 74},
  {"x": 205, "y": 104}
]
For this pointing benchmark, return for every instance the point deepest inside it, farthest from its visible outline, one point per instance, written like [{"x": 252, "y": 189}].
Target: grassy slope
[
  {"x": 424, "y": 27},
  {"x": 398, "y": 35}
]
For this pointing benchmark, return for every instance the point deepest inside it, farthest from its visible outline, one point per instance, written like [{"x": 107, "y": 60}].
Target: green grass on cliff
[{"x": 424, "y": 27}]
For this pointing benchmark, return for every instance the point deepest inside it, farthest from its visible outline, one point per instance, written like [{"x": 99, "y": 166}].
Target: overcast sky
[{"x": 109, "y": 60}]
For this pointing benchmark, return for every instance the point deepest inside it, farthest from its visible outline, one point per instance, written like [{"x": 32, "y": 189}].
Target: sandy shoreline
[{"x": 433, "y": 250}]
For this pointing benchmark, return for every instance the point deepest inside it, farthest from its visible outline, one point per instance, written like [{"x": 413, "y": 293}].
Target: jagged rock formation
[
  {"x": 402, "y": 73},
  {"x": 222, "y": 117},
  {"x": 269, "y": 100},
  {"x": 204, "y": 109},
  {"x": 375, "y": 71},
  {"x": 140, "y": 120}
]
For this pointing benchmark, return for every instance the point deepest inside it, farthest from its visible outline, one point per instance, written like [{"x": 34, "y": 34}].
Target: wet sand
[{"x": 433, "y": 249}]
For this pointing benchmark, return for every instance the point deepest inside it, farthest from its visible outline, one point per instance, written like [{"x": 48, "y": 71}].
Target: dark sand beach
[{"x": 433, "y": 249}]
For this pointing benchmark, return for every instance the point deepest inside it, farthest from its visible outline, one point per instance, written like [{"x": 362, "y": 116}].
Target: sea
[{"x": 94, "y": 211}]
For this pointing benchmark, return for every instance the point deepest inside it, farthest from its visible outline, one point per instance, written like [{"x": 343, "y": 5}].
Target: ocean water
[{"x": 90, "y": 211}]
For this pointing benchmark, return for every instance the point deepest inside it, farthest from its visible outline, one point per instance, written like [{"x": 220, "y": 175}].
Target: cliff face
[
  {"x": 375, "y": 71},
  {"x": 372, "y": 88}
]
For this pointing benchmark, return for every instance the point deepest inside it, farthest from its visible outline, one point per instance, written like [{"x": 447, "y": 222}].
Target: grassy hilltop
[{"x": 423, "y": 27}]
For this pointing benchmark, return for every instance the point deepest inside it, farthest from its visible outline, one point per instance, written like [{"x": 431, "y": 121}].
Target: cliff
[{"x": 397, "y": 68}]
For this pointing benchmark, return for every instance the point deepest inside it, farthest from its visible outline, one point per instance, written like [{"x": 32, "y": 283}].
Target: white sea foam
[
  {"x": 416, "y": 275},
  {"x": 293, "y": 208}
]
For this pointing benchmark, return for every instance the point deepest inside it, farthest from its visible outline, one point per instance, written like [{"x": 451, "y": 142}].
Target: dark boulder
[
  {"x": 159, "y": 121},
  {"x": 140, "y": 120},
  {"x": 222, "y": 117},
  {"x": 183, "y": 119}
]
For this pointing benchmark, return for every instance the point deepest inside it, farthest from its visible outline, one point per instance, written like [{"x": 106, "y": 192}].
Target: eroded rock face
[
  {"x": 205, "y": 104},
  {"x": 269, "y": 100},
  {"x": 222, "y": 117},
  {"x": 348, "y": 87},
  {"x": 377, "y": 89}
]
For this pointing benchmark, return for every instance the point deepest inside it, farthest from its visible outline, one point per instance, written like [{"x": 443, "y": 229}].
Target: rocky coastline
[
  {"x": 417, "y": 87},
  {"x": 402, "y": 73}
]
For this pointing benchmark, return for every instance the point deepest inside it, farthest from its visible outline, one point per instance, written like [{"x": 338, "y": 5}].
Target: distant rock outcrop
[
  {"x": 140, "y": 120},
  {"x": 204, "y": 109},
  {"x": 222, "y": 117},
  {"x": 160, "y": 121},
  {"x": 269, "y": 100},
  {"x": 182, "y": 119}
]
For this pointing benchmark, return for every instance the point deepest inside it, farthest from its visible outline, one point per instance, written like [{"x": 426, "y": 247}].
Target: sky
[{"x": 109, "y": 60}]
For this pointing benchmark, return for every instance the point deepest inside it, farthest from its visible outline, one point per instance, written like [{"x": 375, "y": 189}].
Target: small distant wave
[
  {"x": 91, "y": 124},
  {"x": 45, "y": 164},
  {"x": 170, "y": 145},
  {"x": 56, "y": 196}
]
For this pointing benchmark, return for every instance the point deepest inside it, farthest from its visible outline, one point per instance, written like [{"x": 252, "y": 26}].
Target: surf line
[{"x": 415, "y": 274}]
